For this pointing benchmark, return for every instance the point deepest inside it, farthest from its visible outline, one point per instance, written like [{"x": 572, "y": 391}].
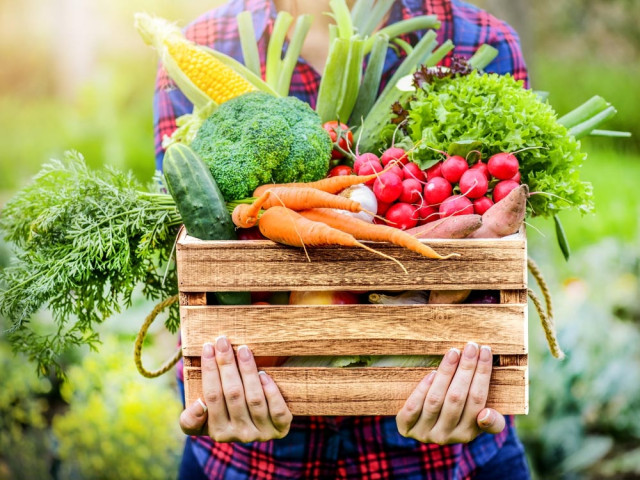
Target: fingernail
[
  {"x": 487, "y": 418},
  {"x": 264, "y": 378},
  {"x": 202, "y": 404},
  {"x": 222, "y": 344},
  {"x": 244, "y": 353},
  {"x": 453, "y": 355},
  {"x": 471, "y": 350},
  {"x": 485, "y": 353},
  {"x": 207, "y": 350}
]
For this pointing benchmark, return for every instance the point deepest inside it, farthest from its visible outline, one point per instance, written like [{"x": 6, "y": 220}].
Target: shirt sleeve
[{"x": 510, "y": 58}]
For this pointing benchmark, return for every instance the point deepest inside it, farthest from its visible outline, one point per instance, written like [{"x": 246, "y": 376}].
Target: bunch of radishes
[{"x": 408, "y": 196}]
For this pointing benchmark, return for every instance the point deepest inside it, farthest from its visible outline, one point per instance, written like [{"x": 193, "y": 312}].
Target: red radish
[
  {"x": 340, "y": 170},
  {"x": 434, "y": 171},
  {"x": 411, "y": 170},
  {"x": 482, "y": 204},
  {"x": 395, "y": 169},
  {"x": 387, "y": 187},
  {"x": 482, "y": 167},
  {"x": 363, "y": 159},
  {"x": 394, "y": 153},
  {"x": 453, "y": 168},
  {"x": 517, "y": 177},
  {"x": 370, "y": 168},
  {"x": 411, "y": 191},
  {"x": 456, "y": 205},
  {"x": 402, "y": 216},
  {"x": 502, "y": 189},
  {"x": 382, "y": 208},
  {"x": 379, "y": 221},
  {"x": 427, "y": 214},
  {"x": 503, "y": 165},
  {"x": 436, "y": 190},
  {"x": 473, "y": 184}
]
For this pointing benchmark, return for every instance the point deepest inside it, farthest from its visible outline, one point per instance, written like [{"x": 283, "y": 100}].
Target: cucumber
[{"x": 200, "y": 203}]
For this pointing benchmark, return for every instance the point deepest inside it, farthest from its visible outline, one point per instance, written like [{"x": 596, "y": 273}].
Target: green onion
[
  {"x": 610, "y": 133},
  {"x": 248, "y": 42},
  {"x": 274, "y": 50},
  {"x": 351, "y": 79},
  {"x": 586, "y": 127},
  {"x": 372, "y": 76},
  {"x": 331, "y": 83},
  {"x": 375, "y": 16},
  {"x": 342, "y": 16},
  {"x": 293, "y": 53},
  {"x": 359, "y": 13},
  {"x": 423, "y": 22},
  {"x": 439, "y": 54},
  {"x": 584, "y": 112},
  {"x": 483, "y": 56},
  {"x": 406, "y": 46}
]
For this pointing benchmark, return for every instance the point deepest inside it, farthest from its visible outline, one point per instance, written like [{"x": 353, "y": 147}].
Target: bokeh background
[{"x": 75, "y": 75}]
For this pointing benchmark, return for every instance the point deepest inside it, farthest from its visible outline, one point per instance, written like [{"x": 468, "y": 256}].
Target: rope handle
[
  {"x": 137, "y": 351},
  {"x": 546, "y": 318}
]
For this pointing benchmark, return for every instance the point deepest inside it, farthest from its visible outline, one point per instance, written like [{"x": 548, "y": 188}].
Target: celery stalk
[
  {"x": 352, "y": 78},
  {"x": 293, "y": 53},
  {"x": 274, "y": 50},
  {"x": 342, "y": 16},
  {"x": 248, "y": 42},
  {"x": 331, "y": 83},
  {"x": 359, "y": 13},
  {"x": 483, "y": 56},
  {"x": 586, "y": 127},
  {"x": 584, "y": 112},
  {"x": 423, "y": 22},
  {"x": 375, "y": 16},
  {"x": 372, "y": 77},
  {"x": 439, "y": 53}
]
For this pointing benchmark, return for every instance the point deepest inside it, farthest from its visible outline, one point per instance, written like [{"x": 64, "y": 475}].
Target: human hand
[
  {"x": 239, "y": 405},
  {"x": 448, "y": 405}
]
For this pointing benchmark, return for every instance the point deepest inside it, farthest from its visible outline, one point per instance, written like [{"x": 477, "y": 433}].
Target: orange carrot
[
  {"x": 368, "y": 231},
  {"x": 330, "y": 185},
  {"x": 285, "y": 226},
  {"x": 298, "y": 198}
]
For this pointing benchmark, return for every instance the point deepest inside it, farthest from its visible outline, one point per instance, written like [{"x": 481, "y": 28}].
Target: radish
[
  {"x": 456, "y": 205},
  {"x": 411, "y": 170},
  {"x": 481, "y": 167},
  {"x": 394, "y": 153},
  {"x": 411, "y": 191},
  {"x": 388, "y": 187},
  {"x": 453, "y": 168},
  {"x": 382, "y": 207},
  {"x": 503, "y": 188},
  {"x": 395, "y": 169},
  {"x": 482, "y": 204},
  {"x": 517, "y": 177},
  {"x": 434, "y": 171},
  {"x": 427, "y": 214},
  {"x": 364, "y": 159},
  {"x": 473, "y": 183},
  {"x": 370, "y": 168},
  {"x": 402, "y": 216},
  {"x": 503, "y": 165},
  {"x": 436, "y": 190}
]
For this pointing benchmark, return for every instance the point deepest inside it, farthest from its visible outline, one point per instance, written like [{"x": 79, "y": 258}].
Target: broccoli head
[{"x": 257, "y": 138}]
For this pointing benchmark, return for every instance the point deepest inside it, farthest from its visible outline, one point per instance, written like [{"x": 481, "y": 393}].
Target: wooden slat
[
  {"x": 369, "y": 391},
  {"x": 356, "y": 329},
  {"x": 263, "y": 265}
]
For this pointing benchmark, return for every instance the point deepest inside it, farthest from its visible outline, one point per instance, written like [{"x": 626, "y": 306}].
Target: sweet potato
[
  {"x": 506, "y": 216},
  {"x": 448, "y": 296},
  {"x": 458, "y": 226}
]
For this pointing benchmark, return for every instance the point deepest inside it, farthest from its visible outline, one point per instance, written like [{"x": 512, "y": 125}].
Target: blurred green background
[{"x": 75, "y": 75}]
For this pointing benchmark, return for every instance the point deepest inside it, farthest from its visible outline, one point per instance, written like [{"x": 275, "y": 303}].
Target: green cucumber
[{"x": 200, "y": 203}]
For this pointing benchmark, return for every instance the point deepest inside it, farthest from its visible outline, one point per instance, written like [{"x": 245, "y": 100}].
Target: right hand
[{"x": 241, "y": 405}]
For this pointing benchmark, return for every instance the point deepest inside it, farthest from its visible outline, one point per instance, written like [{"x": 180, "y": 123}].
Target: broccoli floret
[{"x": 257, "y": 138}]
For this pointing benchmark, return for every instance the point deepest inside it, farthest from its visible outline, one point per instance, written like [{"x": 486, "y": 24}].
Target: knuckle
[
  {"x": 234, "y": 394},
  {"x": 477, "y": 398},
  {"x": 255, "y": 401},
  {"x": 434, "y": 401},
  {"x": 411, "y": 407},
  {"x": 455, "y": 397},
  {"x": 281, "y": 415},
  {"x": 212, "y": 397}
]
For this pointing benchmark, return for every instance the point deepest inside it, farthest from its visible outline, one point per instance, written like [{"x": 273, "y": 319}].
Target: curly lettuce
[{"x": 497, "y": 111}]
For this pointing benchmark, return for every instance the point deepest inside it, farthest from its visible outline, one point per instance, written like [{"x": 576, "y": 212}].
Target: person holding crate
[{"x": 242, "y": 427}]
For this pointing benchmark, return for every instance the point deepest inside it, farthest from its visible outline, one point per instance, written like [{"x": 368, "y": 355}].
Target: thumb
[
  {"x": 193, "y": 418},
  {"x": 490, "y": 421}
]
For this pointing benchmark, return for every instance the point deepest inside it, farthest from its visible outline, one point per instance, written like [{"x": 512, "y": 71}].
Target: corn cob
[{"x": 199, "y": 75}]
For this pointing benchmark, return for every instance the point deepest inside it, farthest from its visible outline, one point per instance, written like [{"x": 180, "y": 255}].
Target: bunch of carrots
[{"x": 304, "y": 214}]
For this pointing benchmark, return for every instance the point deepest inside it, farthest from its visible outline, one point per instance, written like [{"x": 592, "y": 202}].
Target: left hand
[{"x": 448, "y": 405}]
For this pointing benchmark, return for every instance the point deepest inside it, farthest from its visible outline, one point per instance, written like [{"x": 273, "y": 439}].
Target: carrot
[
  {"x": 456, "y": 226},
  {"x": 330, "y": 185},
  {"x": 506, "y": 216},
  {"x": 298, "y": 198},
  {"x": 285, "y": 226},
  {"x": 367, "y": 231}
]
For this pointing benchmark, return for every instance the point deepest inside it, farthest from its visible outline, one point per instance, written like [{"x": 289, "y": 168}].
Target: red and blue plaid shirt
[{"x": 350, "y": 447}]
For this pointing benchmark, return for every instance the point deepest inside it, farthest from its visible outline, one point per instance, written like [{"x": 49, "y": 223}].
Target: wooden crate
[{"x": 287, "y": 330}]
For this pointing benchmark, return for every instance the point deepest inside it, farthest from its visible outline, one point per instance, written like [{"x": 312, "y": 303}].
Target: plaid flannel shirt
[{"x": 345, "y": 447}]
